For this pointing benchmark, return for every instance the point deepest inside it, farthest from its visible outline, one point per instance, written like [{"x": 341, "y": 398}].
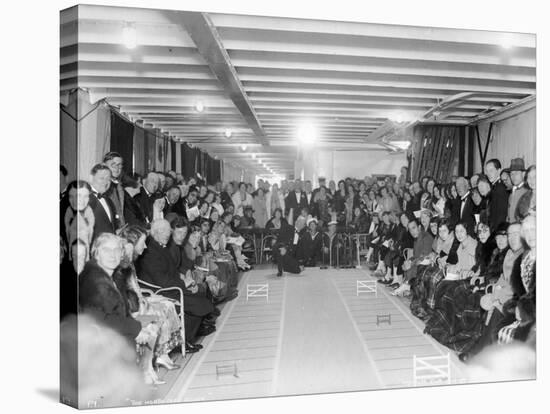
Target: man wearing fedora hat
[{"x": 517, "y": 174}]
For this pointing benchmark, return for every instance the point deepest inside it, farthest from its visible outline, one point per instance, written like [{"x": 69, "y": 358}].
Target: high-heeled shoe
[
  {"x": 150, "y": 378},
  {"x": 169, "y": 365}
]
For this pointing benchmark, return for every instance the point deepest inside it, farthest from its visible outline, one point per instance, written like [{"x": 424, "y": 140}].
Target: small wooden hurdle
[
  {"x": 383, "y": 318},
  {"x": 436, "y": 369},
  {"x": 227, "y": 369},
  {"x": 257, "y": 291},
  {"x": 367, "y": 286}
]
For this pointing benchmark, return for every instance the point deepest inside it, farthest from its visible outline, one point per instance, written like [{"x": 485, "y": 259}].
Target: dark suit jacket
[
  {"x": 132, "y": 212},
  {"x": 157, "y": 266},
  {"x": 145, "y": 203},
  {"x": 102, "y": 222},
  {"x": 291, "y": 201},
  {"x": 99, "y": 297},
  {"x": 498, "y": 204},
  {"x": 175, "y": 208},
  {"x": 467, "y": 215}
]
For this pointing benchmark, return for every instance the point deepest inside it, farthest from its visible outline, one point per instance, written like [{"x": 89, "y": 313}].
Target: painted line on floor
[
  {"x": 360, "y": 336},
  {"x": 274, "y": 383}
]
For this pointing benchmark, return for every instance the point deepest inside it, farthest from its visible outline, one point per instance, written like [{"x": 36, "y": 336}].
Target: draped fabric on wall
[
  {"x": 177, "y": 151},
  {"x": 213, "y": 171},
  {"x": 94, "y": 137},
  {"x": 140, "y": 164},
  {"x": 436, "y": 151},
  {"x": 173, "y": 156},
  {"x": 151, "y": 150},
  {"x": 68, "y": 154},
  {"x": 188, "y": 158},
  {"x": 514, "y": 137},
  {"x": 122, "y": 139}
]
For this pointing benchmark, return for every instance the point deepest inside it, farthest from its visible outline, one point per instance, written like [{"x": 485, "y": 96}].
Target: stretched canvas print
[{"x": 258, "y": 206}]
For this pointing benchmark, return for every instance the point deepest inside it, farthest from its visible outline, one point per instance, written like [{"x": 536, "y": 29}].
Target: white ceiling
[{"x": 264, "y": 76}]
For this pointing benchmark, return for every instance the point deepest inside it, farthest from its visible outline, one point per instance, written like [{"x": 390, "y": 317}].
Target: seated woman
[
  {"x": 78, "y": 218},
  {"x": 221, "y": 262},
  {"x": 428, "y": 277},
  {"x": 234, "y": 240},
  {"x": 523, "y": 284},
  {"x": 163, "y": 309},
  {"x": 276, "y": 221},
  {"x": 99, "y": 298},
  {"x": 381, "y": 244},
  {"x": 401, "y": 239},
  {"x": 360, "y": 222},
  {"x": 457, "y": 318},
  {"x": 422, "y": 248}
]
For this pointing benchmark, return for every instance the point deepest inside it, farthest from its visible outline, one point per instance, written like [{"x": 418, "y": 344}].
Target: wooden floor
[{"x": 313, "y": 335}]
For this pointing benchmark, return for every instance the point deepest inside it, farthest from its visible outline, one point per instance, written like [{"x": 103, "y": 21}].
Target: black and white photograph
[
  {"x": 256, "y": 206},
  {"x": 263, "y": 205}
]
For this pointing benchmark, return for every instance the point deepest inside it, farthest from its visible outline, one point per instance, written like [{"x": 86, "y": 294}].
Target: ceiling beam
[{"x": 209, "y": 44}]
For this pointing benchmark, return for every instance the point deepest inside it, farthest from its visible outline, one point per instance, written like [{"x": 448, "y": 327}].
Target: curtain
[
  {"x": 173, "y": 156},
  {"x": 178, "y": 152},
  {"x": 68, "y": 142},
  {"x": 436, "y": 151},
  {"x": 140, "y": 164},
  {"x": 514, "y": 137},
  {"x": 94, "y": 136},
  {"x": 122, "y": 140},
  {"x": 189, "y": 159},
  {"x": 151, "y": 150}
]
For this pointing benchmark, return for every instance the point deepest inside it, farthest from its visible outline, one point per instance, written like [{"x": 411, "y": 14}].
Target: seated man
[
  {"x": 422, "y": 247},
  {"x": 308, "y": 250},
  {"x": 158, "y": 267}
]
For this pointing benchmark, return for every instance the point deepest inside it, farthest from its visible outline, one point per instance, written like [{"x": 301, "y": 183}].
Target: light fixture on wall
[{"x": 129, "y": 35}]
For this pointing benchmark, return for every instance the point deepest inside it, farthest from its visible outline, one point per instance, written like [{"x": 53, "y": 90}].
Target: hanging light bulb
[
  {"x": 129, "y": 36},
  {"x": 228, "y": 133},
  {"x": 243, "y": 147}
]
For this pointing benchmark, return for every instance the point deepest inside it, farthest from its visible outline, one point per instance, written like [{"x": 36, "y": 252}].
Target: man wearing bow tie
[
  {"x": 106, "y": 220},
  {"x": 465, "y": 212}
]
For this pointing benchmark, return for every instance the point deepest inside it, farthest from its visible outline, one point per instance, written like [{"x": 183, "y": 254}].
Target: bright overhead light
[
  {"x": 243, "y": 147},
  {"x": 228, "y": 133},
  {"x": 253, "y": 156},
  {"x": 199, "y": 106},
  {"x": 401, "y": 144},
  {"x": 400, "y": 117},
  {"x": 307, "y": 134},
  {"x": 129, "y": 36}
]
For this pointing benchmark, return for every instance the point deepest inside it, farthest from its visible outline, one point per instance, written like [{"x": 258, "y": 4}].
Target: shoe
[
  {"x": 150, "y": 378},
  {"x": 169, "y": 365},
  {"x": 464, "y": 357},
  {"x": 192, "y": 348},
  {"x": 394, "y": 285},
  {"x": 189, "y": 350},
  {"x": 206, "y": 330},
  {"x": 216, "y": 312},
  {"x": 401, "y": 290},
  {"x": 279, "y": 274},
  {"x": 384, "y": 281}
]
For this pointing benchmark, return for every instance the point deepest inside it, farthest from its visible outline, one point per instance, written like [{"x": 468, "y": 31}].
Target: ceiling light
[
  {"x": 199, "y": 106},
  {"x": 401, "y": 117},
  {"x": 253, "y": 156},
  {"x": 507, "y": 41},
  {"x": 307, "y": 133},
  {"x": 129, "y": 36},
  {"x": 401, "y": 144},
  {"x": 228, "y": 133},
  {"x": 243, "y": 147}
]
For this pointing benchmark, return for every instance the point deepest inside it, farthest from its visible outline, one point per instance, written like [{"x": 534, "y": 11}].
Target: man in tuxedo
[
  {"x": 157, "y": 266},
  {"x": 173, "y": 202},
  {"x": 106, "y": 219},
  {"x": 116, "y": 192},
  {"x": 308, "y": 197},
  {"x": 295, "y": 200},
  {"x": 287, "y": 245},
  {"x": 498, "y": 197},
  {"x": 147, "y": 195},
  {"x": 466, "y": 210}
]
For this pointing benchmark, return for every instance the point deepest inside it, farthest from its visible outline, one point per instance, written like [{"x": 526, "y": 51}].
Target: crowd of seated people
[{"x": 463, "y": 251}]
